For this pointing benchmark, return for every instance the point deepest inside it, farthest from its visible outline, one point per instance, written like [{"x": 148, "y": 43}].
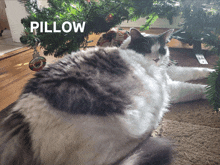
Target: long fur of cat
[
  {"x": 177, "y": 76},
  {"x": 93, "y": 107}
]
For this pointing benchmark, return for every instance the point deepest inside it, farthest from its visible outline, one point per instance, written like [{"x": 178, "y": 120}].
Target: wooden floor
[{"x": 15, "y": 72}]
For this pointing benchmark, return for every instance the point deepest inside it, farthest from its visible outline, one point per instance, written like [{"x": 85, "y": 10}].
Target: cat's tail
[{"x": 153, "y": 151}]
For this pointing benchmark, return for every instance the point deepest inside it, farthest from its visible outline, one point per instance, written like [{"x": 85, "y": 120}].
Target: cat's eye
[{"x": 162, "y": 51}]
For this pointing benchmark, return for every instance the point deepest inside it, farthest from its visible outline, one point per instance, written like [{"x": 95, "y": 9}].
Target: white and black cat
[
  {"x": 93, "y": 107},
  {"x": 179, "y": 89}
]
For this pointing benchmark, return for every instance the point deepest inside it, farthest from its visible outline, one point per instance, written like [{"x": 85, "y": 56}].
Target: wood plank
[
  {"x": 14, "y": 74},
  {"x": 12, "y": 92},
  {"x": 14, "y": 68},
  {"x": 15, "y": 52}
]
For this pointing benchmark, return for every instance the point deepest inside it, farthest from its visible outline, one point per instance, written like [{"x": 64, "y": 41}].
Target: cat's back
[{"x": 86, "y": 82}]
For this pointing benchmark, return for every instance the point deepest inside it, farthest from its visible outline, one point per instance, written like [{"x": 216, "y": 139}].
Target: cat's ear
[
  {"x": 134, "y": 33},
  {"x": 166, "y": 35}
]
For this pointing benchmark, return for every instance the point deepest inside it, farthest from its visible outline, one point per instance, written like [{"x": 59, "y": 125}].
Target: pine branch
[{"x": 213, "y": 88}]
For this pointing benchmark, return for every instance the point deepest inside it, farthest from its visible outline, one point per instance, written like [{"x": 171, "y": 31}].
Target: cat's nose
[{"x": 156, "y": 60}]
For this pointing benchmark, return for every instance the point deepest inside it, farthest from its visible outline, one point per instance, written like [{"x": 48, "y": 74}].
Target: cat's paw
[{"x": 206, "y": 72}]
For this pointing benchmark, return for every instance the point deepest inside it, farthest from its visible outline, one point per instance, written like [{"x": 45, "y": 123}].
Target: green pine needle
[{"x": 213, "y": 88}]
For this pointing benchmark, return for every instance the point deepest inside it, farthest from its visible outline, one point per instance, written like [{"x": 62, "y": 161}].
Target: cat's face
[{"x": 153, "y": 47}]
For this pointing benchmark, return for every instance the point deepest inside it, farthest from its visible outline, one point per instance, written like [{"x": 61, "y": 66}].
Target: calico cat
[
  {"x": 179, "y": 89},
  {"x": 93, "y": 107}
]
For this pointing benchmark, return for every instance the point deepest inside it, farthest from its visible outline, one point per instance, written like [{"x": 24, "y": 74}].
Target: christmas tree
[
  {"x": 153, "y": 9},
  {"x": 99, "y": 16},
  {"x": 213, "y": 89},
  {"x": 201, "y": 23},
  {"x": 95, "y": 15}
]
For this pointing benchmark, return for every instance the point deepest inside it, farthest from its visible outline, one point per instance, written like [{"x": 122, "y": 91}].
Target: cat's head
[{"x": 153, "y": 47}]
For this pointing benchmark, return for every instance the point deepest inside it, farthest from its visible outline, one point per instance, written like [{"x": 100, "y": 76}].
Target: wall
[
  {"x": 3, "y": 17},
  {"x": 15, "y": 11},
  {"x": 42, "y": 3}
]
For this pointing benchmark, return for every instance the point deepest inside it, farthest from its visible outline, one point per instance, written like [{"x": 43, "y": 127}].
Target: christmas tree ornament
[
  {"x": 109, "y": 18},
  {"x": 38, "y": 62}
]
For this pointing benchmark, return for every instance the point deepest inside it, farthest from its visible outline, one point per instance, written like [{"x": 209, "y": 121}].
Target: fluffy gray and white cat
[
  {"x": 93, "y": 107},
  {"x": 179, "y": 89}
]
